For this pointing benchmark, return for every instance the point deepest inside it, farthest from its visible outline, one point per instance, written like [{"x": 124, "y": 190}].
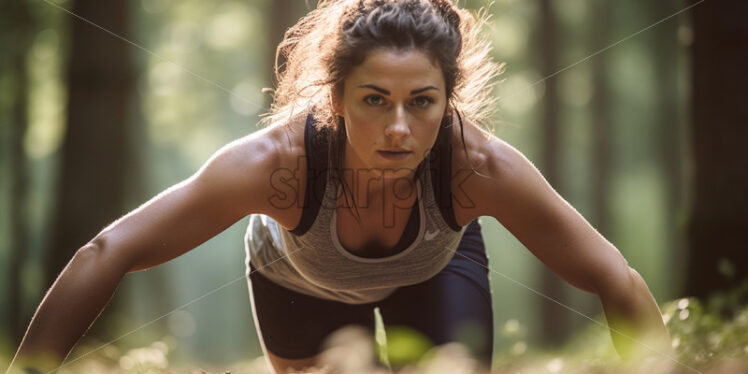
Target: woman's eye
[
  {"x": 374, "y": 100},
  {"x": 422, "y": 101}
]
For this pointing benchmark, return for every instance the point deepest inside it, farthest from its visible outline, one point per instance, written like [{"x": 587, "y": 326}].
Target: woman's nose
[{"x": 398, "y": 124}]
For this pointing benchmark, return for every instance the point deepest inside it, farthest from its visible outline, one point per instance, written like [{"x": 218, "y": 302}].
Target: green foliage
[
  {"x": 710, "y": 337},
  {"x": 406, "y": 346},
  {"x": 706, "y": 334}
]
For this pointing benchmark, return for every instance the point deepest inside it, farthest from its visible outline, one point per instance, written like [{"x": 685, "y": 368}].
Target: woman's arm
[
  {"x": 232, "y": 184},
  {"x": 515, "y": 193}
]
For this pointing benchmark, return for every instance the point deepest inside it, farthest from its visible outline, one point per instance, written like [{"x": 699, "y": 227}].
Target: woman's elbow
[
  {"x": 627, "y": 292},
  {"x": 105, "y": 257},
  {"x": 618, "y": 282}
]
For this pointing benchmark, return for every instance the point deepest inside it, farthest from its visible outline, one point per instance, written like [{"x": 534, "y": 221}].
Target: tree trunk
[
  {"x": 669, "y": 130},
  {"x": 601, "y": 120},
  {"x": 719, "y": 210},
  {"x": 553, "y": 318},
  {"x": 100, "y": 81},
  {"x": 18, "y": 35}
]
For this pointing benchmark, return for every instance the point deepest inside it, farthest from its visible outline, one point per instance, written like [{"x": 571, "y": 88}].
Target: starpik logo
[{"x": 286, "y": 184}]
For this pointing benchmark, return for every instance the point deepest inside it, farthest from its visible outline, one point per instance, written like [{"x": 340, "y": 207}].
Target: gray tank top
[{"x": 315, "y": 263}]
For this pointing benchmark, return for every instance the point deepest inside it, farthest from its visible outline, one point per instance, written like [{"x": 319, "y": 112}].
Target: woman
[{"x": 357, "y": 200}]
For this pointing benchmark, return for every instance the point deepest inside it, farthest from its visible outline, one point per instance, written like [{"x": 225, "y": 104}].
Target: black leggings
[{"x": 452, "y": 306}]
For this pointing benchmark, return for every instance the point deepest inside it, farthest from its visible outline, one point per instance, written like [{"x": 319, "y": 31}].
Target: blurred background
[{"x": 635, "y": 111}]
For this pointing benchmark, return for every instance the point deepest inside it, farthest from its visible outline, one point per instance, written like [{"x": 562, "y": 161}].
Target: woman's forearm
[
  {"x": 635, "y": 320},
  {"x": 70, "y": 306}
]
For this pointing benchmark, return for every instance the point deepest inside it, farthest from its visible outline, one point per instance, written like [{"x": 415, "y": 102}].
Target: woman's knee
[{"x": 350, "y": 349}]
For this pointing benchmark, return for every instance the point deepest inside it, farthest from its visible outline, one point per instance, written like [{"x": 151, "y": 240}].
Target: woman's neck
[{"x": 372, "y": 185}]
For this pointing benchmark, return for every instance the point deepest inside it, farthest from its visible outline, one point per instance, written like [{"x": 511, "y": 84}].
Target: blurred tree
[
  {"x": 669, "y": 135},
  {"x": 554, "y": 327},
  {"x": 94, "y": 154},
  {"x": 718, "y": 254},
  {"x": 18, "y": 28},
  {"x": 283, "y": 14},
  {"x": 601, "y": 119}
]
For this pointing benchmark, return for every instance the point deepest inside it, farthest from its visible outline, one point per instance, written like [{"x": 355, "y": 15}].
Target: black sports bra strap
[
  {"x": 315, "y": 144},
  {"x": 441, "y": 176}
]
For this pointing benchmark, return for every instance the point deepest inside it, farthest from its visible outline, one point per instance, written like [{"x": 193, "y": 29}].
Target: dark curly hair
[{"x": 326, "y": 44}]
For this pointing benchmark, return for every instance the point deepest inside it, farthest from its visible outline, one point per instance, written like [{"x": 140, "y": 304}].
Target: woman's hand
[{"x": 514, "y": 192}]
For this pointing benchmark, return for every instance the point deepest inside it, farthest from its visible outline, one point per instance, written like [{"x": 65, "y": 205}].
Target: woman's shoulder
[
  {"x": 479, "y": 160},
  {"x": 472, "y": 146},
  {"x": 259, "y": 163},
  {"x": 279, "y": 143},
  {"x": 285, "y": 180}
]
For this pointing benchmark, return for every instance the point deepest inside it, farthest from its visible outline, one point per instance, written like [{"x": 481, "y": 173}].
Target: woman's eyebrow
[
  {"x": 417, "y": 91},
  {"x": 386, "y": 92},
  {"x": 375, "y": 88}
]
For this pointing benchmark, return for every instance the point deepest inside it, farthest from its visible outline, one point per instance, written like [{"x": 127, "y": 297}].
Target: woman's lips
[{"x": 394, "y": 155}]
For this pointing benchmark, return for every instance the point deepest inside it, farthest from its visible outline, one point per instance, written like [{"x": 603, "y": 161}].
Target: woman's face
[{"x": 393, "y": 104}]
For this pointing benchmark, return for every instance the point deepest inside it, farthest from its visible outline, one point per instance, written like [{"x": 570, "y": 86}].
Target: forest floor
[{"x": 706, "y": 339}]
